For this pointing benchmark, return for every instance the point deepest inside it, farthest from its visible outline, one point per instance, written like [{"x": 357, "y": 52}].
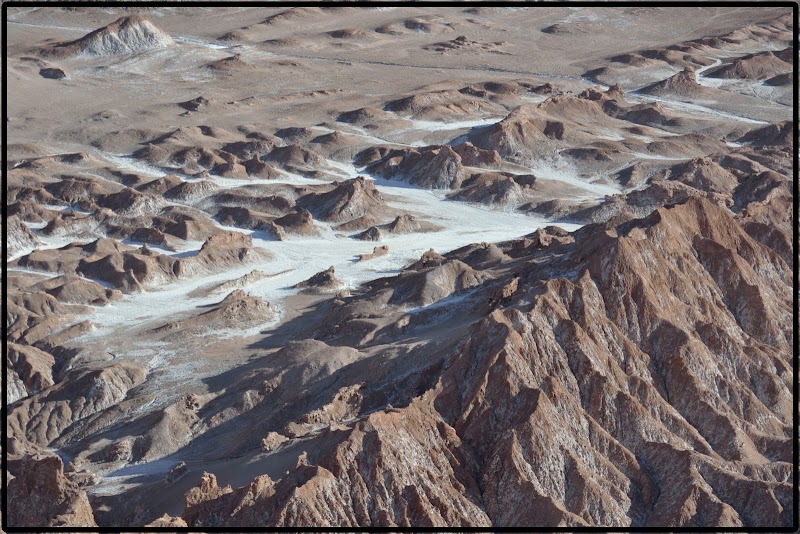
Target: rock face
[
  {"x": 620, "y": 383},
  {"x": 41, "y": 496},
  {"x": 29, "y": 370},
  {"x": 126, "y": 35}
]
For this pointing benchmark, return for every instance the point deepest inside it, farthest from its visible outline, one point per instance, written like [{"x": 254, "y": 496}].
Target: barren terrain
[{"x": 399, "y": 266}]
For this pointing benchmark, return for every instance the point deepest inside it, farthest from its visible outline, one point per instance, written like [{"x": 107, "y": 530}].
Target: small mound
[
  {"x": 190, "y": 191},
  {"x": 349, "y": 33},
  {"x": 323, "y": 281},
  {"x": 195, "y": 104},
  {"x": 292, "y": 15},
  {"x": 462, "y": 43},
  {"x": 233, "y": 63},
  {"x": 491, "y": 188},
  {"x": 431, "y": 167},
  {"x": 572, "y": 28},
  {"x": 683, "y": 83},
  {"x": 363, "y": 116},
  {"x": 781, "y": 80},
  {"x": 408, "y": 224},
  {"x": 437, "y": 279},
  {"x": 237, "y": 311},
  {"x": 376, "y": 253},
  {"x": 241, "y": 35},
  {"x": 298, "y": 222},
  {"x": 772, "y": 134},
  {"x": 73, "y": 289},
  {"x": 294, "y": 134},
  {"x": 370, "y": 234}
]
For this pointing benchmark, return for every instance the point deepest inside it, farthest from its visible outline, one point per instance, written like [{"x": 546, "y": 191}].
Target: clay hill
[{"x": 126, "y": 35}]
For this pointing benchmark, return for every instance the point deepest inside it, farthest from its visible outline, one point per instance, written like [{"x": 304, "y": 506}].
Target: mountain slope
[{"x": 648, "y": 385}]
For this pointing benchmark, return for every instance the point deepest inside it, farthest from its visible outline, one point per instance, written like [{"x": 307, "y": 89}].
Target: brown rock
[{"x": 41, "y": 496}]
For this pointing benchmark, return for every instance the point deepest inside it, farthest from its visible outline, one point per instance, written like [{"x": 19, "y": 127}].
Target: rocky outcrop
[
  {"x": 377, "y": 252},
  {"x": 298, "y": 222},
  {"x": 52, "y": 73},
  {"x": 684, "y": 83},
  {"x": 348, "y": 200},
  {"x": 237, "y": 311},
  {"x": 494, "y": 188},
  {"x": 220, "y": 250},
  {"x": 40, "y": 495},
  {"x": 195, "y": 104},
  {"x": 323, "y": 281},
  {"x": 433, "y": 167},
  {"x": 599, "y": 391}
]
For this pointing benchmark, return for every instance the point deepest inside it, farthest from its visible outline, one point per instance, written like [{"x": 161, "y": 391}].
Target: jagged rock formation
[
  {"x": 29, "y": 370},
  {"x": 41, "y": 496},
  {"x": 131, "y": 270},
  {"x": 46, "y": 416},
  {"x": 622, "y": 355}
]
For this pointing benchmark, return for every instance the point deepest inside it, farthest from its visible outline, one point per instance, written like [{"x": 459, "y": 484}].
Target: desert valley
[{"x": 399, "y": 266}]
